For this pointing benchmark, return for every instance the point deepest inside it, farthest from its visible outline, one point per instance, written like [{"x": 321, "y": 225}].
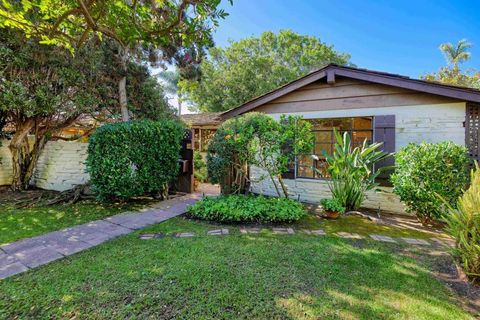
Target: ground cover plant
[
  {"x": 243, "y": 208},
  {"x": 261, "y": 276},
  {"x": 131, "y": 159},
  {"x": 426, "y": 170}
]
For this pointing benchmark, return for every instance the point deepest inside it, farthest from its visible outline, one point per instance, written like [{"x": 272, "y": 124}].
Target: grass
[
  {"x": 22, "y": 223},
  {"x": 260, "y": 276}
]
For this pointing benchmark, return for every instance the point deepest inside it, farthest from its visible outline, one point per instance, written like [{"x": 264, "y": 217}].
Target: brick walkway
[{"x": 22, "y": 255}]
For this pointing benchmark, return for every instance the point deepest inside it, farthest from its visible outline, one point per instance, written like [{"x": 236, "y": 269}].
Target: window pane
[
  {"x": 362, "y": 123},
  {"x": 321, "y": 166},
  {"x": 323, "y": 136},
  {"x": 305, "y": 172},
  {"x": 321, "y": 147},
  {"x": 342, "y": 123},
  {"x": 321, "y": 124},
  {"x": 360, "y": 136}
]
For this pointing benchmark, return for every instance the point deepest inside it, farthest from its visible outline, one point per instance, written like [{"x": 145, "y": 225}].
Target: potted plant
[{"x": 332, "y": 208}]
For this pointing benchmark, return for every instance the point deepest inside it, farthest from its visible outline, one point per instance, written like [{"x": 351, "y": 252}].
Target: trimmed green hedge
[
  {"x": 130, "y": 159},
  {"x": 241, "y": 208}
]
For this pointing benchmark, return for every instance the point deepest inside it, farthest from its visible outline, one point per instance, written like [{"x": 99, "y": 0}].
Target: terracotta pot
[{"x": 331, "y": 214}]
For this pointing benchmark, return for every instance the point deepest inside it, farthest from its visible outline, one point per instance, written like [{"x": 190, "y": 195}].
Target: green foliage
[
  {"x": 426, "y": 169},
  {"x": 464, "y": 226},
  {"x": 351, "y": 170},
  {"x": 256, "y": 139},
  {"x": 149, "y": 23},
  {"x": 241, "y": 208},
  {"x": 131, "y": 159},
  {"x": 200, "y": 171},
  {"x": 251, "y": 67},
  {"x": 332, "y": 205}
]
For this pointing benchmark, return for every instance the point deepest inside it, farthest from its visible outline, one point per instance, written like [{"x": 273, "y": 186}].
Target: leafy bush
[
  {"x": 241, "y": 208},
  {"x": 200, "y": 172},
  {"x": 131, "y": 159},
  {"x": 351, "y": 170},
  {"x": 332, "y": 205},
  {"x": 464, "y": 226},
  {"x": 426, "y": 169}
]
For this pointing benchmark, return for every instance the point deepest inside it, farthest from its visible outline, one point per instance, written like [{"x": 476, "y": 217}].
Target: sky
[{"x": 392, "y": 36}]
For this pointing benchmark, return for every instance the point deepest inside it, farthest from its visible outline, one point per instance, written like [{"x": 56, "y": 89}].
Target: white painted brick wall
[
  {"x": 430, "y": 123},
  {"x": 312, "y": 191},
  {"x": 61, "y": 166}
]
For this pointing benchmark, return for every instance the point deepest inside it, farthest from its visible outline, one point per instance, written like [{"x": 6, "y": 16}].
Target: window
[{"x": 359, "y": 129}]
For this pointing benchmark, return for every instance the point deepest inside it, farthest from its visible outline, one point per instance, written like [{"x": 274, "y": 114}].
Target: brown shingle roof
[{"x": 202, "y": 119}]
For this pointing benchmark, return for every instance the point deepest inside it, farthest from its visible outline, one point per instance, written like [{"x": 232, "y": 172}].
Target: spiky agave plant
[{"x": 351, "y": 170}]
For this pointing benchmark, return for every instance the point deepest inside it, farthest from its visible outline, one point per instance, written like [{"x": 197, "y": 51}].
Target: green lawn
[
  {"x": 237, "y": 276},
  {"x": 17, "y": 223}
]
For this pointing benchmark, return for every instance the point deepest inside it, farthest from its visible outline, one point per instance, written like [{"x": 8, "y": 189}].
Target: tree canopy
[
  {"x": 176, "y": 31},
  {"x": 45, "y": 89},
  {"x": 251, "y": 67}
]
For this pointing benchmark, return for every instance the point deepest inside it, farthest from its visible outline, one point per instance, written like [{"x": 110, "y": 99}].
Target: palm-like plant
[
  {"x": 458, "y": 53},
  {"x": 351, "y": 170}
]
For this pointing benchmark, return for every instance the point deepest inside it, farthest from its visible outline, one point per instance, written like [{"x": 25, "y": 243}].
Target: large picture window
[{"x": 359, "y": 129}]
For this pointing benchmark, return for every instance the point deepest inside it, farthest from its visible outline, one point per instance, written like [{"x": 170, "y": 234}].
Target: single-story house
[{"x": 378, "y": 106}]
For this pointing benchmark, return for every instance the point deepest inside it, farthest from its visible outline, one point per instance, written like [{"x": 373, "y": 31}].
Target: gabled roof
[
  {"x": 202, "y": 119},
  {"x": 332, "y": 70}
]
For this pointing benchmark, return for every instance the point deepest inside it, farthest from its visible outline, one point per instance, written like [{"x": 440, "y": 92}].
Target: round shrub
[
  {"x": 427, "y": 172},
  {"x": 242, "y": 208},
  {"x": 130, "y": 159}
]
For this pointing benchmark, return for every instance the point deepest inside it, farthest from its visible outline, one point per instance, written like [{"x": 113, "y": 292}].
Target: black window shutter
[{"x": 384, "y": 132}]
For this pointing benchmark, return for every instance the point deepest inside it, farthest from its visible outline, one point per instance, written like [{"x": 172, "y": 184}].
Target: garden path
[{"x": 25, "y": 254}]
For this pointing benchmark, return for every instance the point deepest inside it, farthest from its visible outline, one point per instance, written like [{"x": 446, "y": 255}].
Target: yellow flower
[{"x": 228, "y": 137}]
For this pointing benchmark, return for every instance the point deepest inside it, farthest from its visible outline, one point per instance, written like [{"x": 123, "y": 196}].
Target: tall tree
[
  {"x": 452, "y": 73},
  {"x": 458, "y": 53},
  {"x": 253, "y": 66},
  {"x": 45, "y": 89},
  {"x": 159, "y": 30}
]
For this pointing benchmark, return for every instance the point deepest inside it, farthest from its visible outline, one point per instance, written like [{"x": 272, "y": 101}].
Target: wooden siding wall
[{"x": 348, "y": 94}]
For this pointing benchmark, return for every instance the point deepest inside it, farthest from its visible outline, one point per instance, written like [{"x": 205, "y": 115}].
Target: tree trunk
[
  {"x": 179, "y": 104},
  {"x": 275, "y": 184},
  {"x": 32, "y": 158},
  {"x": 282, "y": 184},
  {"x": 19, "y": 148},
  {"x": 122, "y": 85}
]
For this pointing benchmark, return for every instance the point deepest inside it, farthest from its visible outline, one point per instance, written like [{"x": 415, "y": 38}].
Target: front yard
[
  {"x": 19, "y": 223},
  {"x": 247, "y": 276}
]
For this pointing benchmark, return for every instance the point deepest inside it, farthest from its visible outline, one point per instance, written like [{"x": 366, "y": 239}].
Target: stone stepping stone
[
  {"x": 147, "y": 236},
  {"x": 185, "y": 234},
  {"x": 347, "y": 235},
  {"x": 250, "y": 230},
  {"x": 379, "y": 237},
  {"x": 218, "y": 232},
  {"x": 283, "y": 231},
  {"x": 318, "y": 232},
  {"x": 416, "y": 241}
]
